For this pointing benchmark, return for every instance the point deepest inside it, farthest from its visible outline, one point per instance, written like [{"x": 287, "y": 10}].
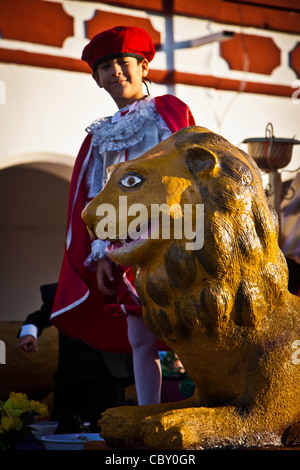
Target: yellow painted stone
[{"x": 224, "y": 307}]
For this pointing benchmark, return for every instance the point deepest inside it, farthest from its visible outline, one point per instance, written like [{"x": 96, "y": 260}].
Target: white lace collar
[{"x": 117, "y": 132}]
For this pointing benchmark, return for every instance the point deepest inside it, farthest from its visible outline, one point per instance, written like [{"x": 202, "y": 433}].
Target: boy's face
[{"x": 122, "y": 79}]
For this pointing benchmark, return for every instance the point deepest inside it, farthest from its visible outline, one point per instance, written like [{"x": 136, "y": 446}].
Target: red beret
[{"x": 120, "y": 41}]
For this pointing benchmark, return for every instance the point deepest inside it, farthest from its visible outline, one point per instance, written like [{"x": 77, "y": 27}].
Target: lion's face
[
  {"x": 148, "y": 195},
  {"x": 227, "y": 254}
]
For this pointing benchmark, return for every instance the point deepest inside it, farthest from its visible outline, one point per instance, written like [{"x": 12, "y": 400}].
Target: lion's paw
[
  {"x": 120, "y": 427},
  {"x": 168, "y": 431},
  {"x": 193, "y": 428}
]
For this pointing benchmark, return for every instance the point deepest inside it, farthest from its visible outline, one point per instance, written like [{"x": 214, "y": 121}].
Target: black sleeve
[{"x": 41, "y": 318}]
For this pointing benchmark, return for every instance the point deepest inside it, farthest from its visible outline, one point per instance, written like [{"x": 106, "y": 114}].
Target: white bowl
[
  {"x": 46, "y": 428},
  {"x": 43, "y": 428},
  {"x": 68, "y": 441}
]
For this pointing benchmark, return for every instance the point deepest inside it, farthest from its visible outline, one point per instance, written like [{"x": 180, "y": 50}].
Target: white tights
[{"x": 146, "y": 362}]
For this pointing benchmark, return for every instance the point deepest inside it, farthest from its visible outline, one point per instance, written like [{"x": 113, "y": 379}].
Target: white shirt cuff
[
  {"x": 97, "y": 252},
  {"x": 29, "y": 330}
]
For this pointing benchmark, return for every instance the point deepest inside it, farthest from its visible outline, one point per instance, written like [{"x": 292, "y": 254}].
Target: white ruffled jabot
[{"x": 119, "y": 132}]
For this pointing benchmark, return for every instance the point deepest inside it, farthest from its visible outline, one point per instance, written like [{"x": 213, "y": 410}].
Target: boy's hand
[
  {"x": 28, "y": 343},
  {"x": 105, "y": 276}
]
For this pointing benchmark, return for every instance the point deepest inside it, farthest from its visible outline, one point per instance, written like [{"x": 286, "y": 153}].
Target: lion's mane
[{"x": 240, "y": 269}]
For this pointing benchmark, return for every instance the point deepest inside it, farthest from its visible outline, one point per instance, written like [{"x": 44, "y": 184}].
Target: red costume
[
  {"x": 79, "y": 305},
  {"x": 80, "y": 309}
]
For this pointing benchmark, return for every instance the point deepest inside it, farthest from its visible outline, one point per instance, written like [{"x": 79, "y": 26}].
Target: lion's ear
[{"x": 200, "y": 160}]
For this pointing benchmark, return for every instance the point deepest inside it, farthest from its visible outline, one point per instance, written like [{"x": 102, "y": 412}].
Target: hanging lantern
[{"x": 270, "y": 153}]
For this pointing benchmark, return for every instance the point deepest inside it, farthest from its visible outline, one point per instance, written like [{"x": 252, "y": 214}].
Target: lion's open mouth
[
  {"x": 131, "y": 243},
  {"x": 115, "y": 245}
]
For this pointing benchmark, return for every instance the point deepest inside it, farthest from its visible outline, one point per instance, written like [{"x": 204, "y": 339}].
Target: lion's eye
[{"x": 131, "y": 180}]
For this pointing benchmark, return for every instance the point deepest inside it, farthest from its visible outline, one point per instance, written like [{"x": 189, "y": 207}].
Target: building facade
[{"x": 235, "y": 63}]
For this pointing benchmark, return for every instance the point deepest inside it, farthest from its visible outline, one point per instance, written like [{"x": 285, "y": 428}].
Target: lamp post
[{"x": 271, "y": 155}]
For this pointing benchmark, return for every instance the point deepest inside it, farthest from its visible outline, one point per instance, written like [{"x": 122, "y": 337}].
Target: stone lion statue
[{"x": 222, "y": 305}]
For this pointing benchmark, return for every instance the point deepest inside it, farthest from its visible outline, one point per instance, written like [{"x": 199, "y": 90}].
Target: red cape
[{"x": 78, "y": 309}]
